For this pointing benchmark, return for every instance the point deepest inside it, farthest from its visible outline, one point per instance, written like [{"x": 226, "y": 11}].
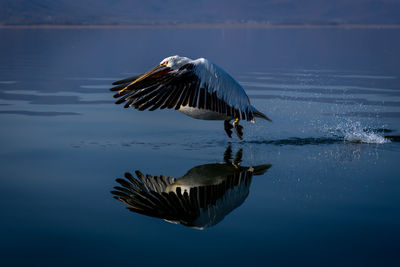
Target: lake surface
[{"x": 320, "y": 185}]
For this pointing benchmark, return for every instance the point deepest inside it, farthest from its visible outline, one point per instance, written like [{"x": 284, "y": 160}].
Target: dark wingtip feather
[
  {"x": 118, "y": 87},
  {"x": 126, "y": 80},
  {"x": 121, "y": 100},
  {"x": 119, "y": 194},
  {"x": 122, "y": 92},
  {"x": 128, "y": 104},
  {"x": 139, "y": 174}
]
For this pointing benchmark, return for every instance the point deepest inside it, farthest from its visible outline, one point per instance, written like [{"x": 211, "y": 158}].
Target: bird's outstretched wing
[
  {"x": 197, "y": 206},
  {"x": 146, "y": 195},
  {"x": 198, "y": 84}
]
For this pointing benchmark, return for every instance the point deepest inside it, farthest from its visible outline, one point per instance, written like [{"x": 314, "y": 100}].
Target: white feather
[
  {"x": 215, "y": 79},
  {"x": 222, "y": 83},
  {"x": 175, "y": 62}
]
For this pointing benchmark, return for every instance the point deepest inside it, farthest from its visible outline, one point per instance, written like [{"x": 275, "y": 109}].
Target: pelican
[
  {"x": 197, "y": 88},
  {"x": 199, "y": 199}
]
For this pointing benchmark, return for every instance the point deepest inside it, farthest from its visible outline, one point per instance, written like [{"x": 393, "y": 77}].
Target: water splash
[{"x": 353, "y": 131}]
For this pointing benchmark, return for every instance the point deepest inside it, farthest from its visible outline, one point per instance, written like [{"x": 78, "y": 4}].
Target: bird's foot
[
  {"x": 238, "y": 129},
  {"x": 238, "y": 158},
  {"x": 228, "y": 154},
  {"x": 228, "y": 128}
]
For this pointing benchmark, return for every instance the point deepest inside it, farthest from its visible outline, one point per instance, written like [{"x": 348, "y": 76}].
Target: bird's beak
[{"x": 156, "y": 70}]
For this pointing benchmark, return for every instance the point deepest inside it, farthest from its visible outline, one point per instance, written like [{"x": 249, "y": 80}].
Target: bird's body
[
  {"x": 197, "y": 88},
  {"x": 203, "y": 114}
]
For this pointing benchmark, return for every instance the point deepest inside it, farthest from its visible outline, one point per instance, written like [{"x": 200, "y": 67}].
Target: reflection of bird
[
  {"x": 197, "y": 88},
  {"x": 199, "y": 199}
]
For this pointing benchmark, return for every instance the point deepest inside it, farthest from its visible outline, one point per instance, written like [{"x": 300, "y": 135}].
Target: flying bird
[{"x": 197, "y": 88}]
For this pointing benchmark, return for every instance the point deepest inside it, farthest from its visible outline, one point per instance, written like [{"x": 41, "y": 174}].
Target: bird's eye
[{"x": 164, "y": 63}]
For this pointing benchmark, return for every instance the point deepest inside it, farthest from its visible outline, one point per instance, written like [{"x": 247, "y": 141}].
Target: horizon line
[{"x": 203, "y": 26}]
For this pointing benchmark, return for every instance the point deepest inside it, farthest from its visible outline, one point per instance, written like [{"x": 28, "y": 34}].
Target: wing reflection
[{"x": 199, "y": 199}]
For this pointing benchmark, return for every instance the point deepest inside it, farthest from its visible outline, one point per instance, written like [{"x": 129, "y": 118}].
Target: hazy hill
[{"x": 210, "y": 11}]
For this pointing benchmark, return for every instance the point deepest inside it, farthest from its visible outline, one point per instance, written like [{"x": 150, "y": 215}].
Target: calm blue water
[{"x": 329, "y": 191}]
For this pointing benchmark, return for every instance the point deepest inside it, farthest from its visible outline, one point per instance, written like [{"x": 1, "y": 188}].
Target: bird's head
[
  {"x": 175, "y": 62},
  {"x": 166, "y": 65}
]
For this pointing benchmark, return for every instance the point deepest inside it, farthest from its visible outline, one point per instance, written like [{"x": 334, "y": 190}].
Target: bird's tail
[
  {"x": 259, "y": 114},
  {"x": 261, "y": 169}
]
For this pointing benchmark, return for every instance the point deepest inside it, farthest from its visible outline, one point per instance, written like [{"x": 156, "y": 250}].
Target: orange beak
[{"x": 155, "y": 70}]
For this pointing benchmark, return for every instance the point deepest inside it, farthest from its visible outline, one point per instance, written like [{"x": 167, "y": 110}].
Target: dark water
[{"x": 318, "y": 186}]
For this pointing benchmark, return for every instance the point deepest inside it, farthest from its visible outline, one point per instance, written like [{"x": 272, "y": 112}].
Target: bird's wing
[
  {"x": 201, "y": 206},
  {"x": 198, "y": 84},
  {"x": 146, "y": 195}
]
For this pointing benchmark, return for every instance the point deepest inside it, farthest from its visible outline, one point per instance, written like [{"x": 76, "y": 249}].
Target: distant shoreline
[{"x": 209, "y": 26}]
